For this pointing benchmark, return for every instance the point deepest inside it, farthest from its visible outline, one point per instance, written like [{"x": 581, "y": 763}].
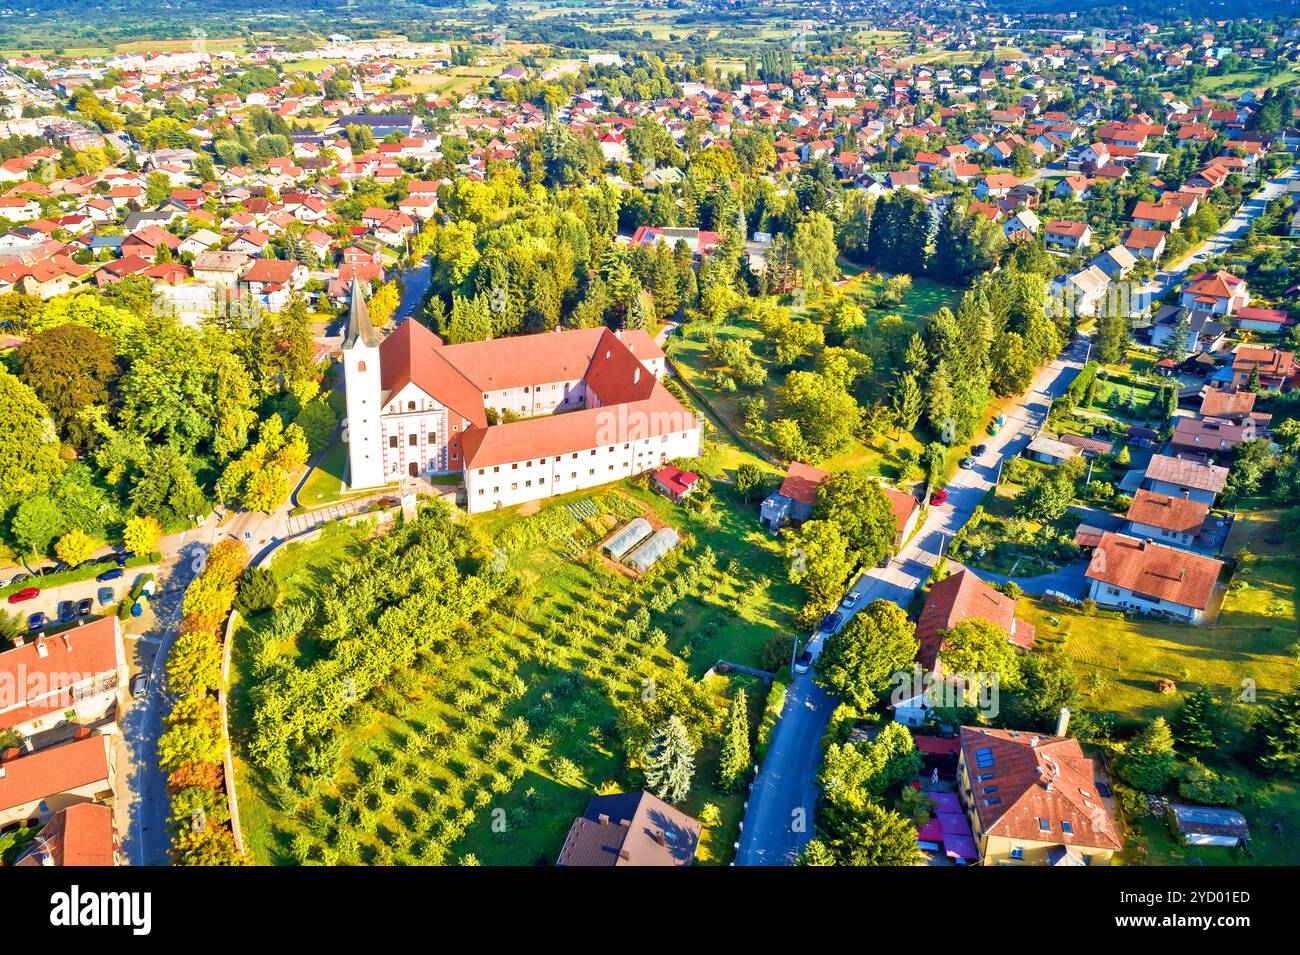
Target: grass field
[
  {"x": 325, "y": 484},
  {"x": 558, "y": 660}
]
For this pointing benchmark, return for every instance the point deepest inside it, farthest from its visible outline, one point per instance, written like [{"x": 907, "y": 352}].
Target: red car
[
  {"x": 938, "y": 497},
  {"x": 29, "y": 593}
]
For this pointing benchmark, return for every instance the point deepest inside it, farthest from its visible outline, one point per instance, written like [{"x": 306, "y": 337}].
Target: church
[{"x": 521, "y": 418}]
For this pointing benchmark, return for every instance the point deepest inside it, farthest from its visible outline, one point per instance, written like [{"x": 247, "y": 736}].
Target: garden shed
[
  {"x": 1206, "y": 826},
  {"x": 649, "y": 552},
  {"x": 626, "y": 537}
]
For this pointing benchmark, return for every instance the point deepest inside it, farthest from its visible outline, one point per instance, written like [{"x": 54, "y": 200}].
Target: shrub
[{"x": 258, "y": 591}]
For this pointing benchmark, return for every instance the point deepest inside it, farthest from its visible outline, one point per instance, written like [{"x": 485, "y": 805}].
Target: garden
[{"x": 486, "y": 737}]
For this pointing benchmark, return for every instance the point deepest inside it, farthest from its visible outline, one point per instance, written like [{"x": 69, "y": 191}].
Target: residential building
[
  {"x": 1131, "y": 574},
  {"x": 1170, "y": 520},
  {"x": 626, "y": 829},
  {"x": 1180, "y": 477},
  {"x": 36, "y": 786},
  {"x": 793, "y": 502}
]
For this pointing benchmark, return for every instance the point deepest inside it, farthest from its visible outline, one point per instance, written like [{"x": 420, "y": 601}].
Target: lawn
[
  {"x": 325, "y": 484},
  {"x": 560, "y": 662}
]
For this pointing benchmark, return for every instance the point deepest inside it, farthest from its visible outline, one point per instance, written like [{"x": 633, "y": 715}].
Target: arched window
[{"x": 410, "y": 406}]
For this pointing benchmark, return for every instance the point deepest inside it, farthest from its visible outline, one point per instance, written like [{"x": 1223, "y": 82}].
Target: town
[{"x": 684, "y": 433}]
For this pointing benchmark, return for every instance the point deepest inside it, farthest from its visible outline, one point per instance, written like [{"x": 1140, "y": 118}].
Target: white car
[{"x": 850, "y": 600}]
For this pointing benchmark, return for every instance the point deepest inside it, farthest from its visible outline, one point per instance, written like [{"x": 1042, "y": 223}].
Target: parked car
[
  {"x": 35, "y": 622},
  {"x": 938, "y": 497},
  {"x": 114, "y": 573},
  {"x": 67, "y": 611},
  {"x": 27, "y": 593},
  {"x": 967, "y": 464},
  {"x": 831, "y": 621},
  {"x": 850, "y": 600},
  {"x": 105, "y": 596},
  {"x": 19, "y": 578},
  {"x": 804, "y": 662},
  {"x": 84, "y": 606},
  {"x": 979, "y": 450},
  {"x": 139, "y": 685}
]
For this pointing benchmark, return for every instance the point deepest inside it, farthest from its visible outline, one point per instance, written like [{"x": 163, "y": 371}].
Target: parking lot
[{"x": 103, "y": 596}]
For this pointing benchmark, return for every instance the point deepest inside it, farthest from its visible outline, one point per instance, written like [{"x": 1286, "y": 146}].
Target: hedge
[{"x": 76, "y": 574}]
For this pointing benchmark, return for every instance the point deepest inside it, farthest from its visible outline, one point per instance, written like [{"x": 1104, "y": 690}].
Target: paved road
[{"x": 779, "y": 815}]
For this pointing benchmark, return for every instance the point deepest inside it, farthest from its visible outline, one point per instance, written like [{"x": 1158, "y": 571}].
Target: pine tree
[
  {"x": 670, "y": 762},
  {"x": 907, "y": 402},
  {"x": 1148, "y": 761},
  {"x": 733, "y": 760},
  {"x": 1194, "y": 727}
]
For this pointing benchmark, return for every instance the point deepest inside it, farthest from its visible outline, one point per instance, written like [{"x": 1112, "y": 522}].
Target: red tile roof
[
  {"x": 1178, "y": 514},
  {"x": 801, "y": 482},
  {"x": 1154, "y": 570},
  {"x": 32, "y": 685},
  {"x": 79, "y": 835},
  {"x": 961, "y": 597},
  {"x": 58, "y": 769}
]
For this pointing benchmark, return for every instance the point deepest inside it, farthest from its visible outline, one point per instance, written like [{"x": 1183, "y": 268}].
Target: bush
[
  {"x": 258, "y": 591},
  {"x": 1203, "y": 785}
]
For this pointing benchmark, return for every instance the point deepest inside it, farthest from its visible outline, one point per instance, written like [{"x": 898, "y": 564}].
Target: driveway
[{"x": 779, "y": 815}]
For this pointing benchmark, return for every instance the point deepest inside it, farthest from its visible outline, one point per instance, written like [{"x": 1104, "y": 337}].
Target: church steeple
[{"x": 359, "y": 327}]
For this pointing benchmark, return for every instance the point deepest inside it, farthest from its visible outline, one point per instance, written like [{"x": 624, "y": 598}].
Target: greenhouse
[
  {"x": 626, "y": 537},
  {"x": 648, "y": 554}
]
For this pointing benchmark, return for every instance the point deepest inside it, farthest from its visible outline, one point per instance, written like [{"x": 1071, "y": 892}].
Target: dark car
[
  {"x": 85, "y": 606},
  {"x": 27, "y": 593},
  {"x": 114, "y": 573},
  {"x": 979, "y": 449},
  {"x": 804, "y": 662},
  {"x": 19, "y": 578},
  {"x": 831, "y": 621},
  {"x": 67, "y": 611},
  {"x": 105, "y": 596},
  {"x": 35, "y": 622}
]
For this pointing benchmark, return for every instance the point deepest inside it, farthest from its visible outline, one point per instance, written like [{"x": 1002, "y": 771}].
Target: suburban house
[
  {"x": 1179, "y": 477},
  {"x": 1170, "y": 520},
  {"x": 36, "y": 786},
  {"x": 630, "y": 829},
  {"x": 1275, "y": 369},
  {"x": 1046, "y": 450},
  {"x": 1253, "y": 318},
  {"x": 793, "y": 502},
  {"x": 959, "y": 597},
  {"x": 83, "y": 834},
  {"x": 1233, "y": 404},
  {"x": 220, "y": 269},
  {"x": 1207, "y": 436},
  {"x": 1131, "y": 574},
  {"x": 1066, "y": 236},
  {"x": 587, "y": 407},
  {"x": 1220, "y": 293},
  {"x": 1032, "y": 799},
  {"x": 63, "y": 681},
  {"x": 674, "y": 483},
  {"x": 1145, "y": 243},
  {"x": 907, "y": 511},
  {"x": 1205, "y": 331}
]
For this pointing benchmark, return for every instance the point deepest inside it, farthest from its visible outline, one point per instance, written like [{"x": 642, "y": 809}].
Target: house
[
  {"x": 1115, "y": 262},
  {"x": 1023, "y": 223},
  {"x": 1033, "y": 799},
  {"x": 66, "y": 680},
  {"x": 959, "y": 597},
  {"x": 220, "y": 269},
  {"x": 1046, "y": 450},
  {"x": 1255, "y": 319},
  {"x": 589, "y": 404},
  {"x": 1205, "y": 332},
  {"x": 1132, "y": 574},
  {"x": 1081, "y": 292},
  {"x": 907, "y": 511},
  {"x": 266, "y": 274},
  {"x": 1178, "y": 477},
  {"x": 1157, "y": 215},
  {"x": 1208, "y": 826},
  {"x": 793, "y": 502},
  {"x": 1145, "y": 243},
  {"x": 625, "y": 829},
  {"x": 81, "y": 835},
  {"x": 36, "y": 786},
  {"x": 674, "y": 483},
  {"x": 1207, "y": 436},
  {"x": 1274, "y": 369},
  {"x": 1067, "y": 236},
  {"x": 1232, "y": 404},
  {"x": 1220, "y": 293},
  {"x": 1171, "y": 520}
]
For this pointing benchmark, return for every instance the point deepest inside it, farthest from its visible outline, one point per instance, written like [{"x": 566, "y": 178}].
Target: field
[
  {"x": 1232, "y": 84},
  {"x": 560, "y": 660}
]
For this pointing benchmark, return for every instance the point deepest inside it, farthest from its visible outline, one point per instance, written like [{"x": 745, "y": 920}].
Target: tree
[
  {"x": 1195, "y": 724},
  {"x": 166, "y": 489},
  {"x": 29, "y": 446},
  {"x": 907, "y": 402},
  {"x": 813, "y": 250},
  {"x": 733, "y": 759},
  {"x": 977, "y": 646},
  {"x": 876, "y": 836},
  {"x": 75, "y": 548},
  {"x": 1177, "y": 346},
  {"x": 69, "y": 367},
  {"x": 750, "y": 482},
  {"x": 258, "y": 591},
  {"x": 1148, "y": 760},
  {"x": 1278, "y": 735},
  {"x": 858, "y": 662},
  {"x": 141, "y": 535},
  {"x": 36, "y": 522},
  {"x": 670, "y": 762},
  {"x": 854, "y": 501}
]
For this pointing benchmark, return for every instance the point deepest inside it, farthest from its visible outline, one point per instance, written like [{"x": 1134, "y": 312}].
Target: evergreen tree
[
  {"x": 670, "y": 762},
  {"x": 1194, "y": 727},
  {"x": 1148, "y": 761},
  {"x": 733, "y": 760},
  {"x": 1278, "y": 734}
]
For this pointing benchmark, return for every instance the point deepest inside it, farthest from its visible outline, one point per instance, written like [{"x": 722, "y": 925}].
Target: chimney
[
  {"x": 1063, "y": 721},
  {"x": 19, "y": 641},
  {"x": 636, "y": 375},
  {"x": 41, "y": 651},
  {"x": 624, "y": 854},
  {"x": 603, "y": 819}
]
